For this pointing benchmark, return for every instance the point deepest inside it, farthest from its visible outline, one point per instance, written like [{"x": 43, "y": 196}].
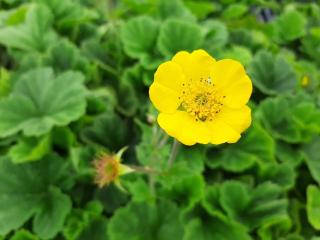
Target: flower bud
[{"x": 108, "y": 168}]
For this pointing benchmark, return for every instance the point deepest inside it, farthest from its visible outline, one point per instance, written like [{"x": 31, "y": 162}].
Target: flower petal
[
  {"x": 163, "y": 98},
  {"x": 184, "y": 128},
  {"x": 239, "y": 119},
  {"x": 196, "y": 65},
  {"x": 220, "y": 132},
  {"x": 167, "y": 86},
  {"x": 232, "y": 81}
]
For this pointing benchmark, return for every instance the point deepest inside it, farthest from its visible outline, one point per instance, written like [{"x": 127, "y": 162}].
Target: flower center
[
  {"x": 201, "y": 99},
  {"x": 107, "y": 169}
]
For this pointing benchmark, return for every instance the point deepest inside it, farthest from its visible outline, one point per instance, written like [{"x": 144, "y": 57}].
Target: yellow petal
[
  {"x": 184, "y": 128},
  {"x": 220, "y": 132},
  {"x": 239, "y": 119},
  {"x": 163, "y": 98},
  {"x": 232, "y": 81},
  {"x": 167, "y": 86},
  {"x": 196, "y": 65}
]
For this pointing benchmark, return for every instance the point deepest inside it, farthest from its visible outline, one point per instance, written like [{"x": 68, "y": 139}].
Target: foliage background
[{"x": 74, "y": 81}]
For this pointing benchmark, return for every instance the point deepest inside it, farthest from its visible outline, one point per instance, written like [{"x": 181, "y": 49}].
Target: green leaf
[
  {"x": 186, "y": 192},
  {"x": 242, "y": 37},
  {"x": 31, "y": 189},
  {"x": 216, "y": 35},
  {"x": 275, "y": 117},
  {"x": 139, "y": 7},
  {"x": 69, "y": 13},
  {"x": 255, "y": 147},
  {"x": 211, "y": 201},
  {"x": 279, "y": 231},
  {"x": 151, "y": 222},
  {"x": 312, "y": 158},
  {"x": 234, "y": 11},
  {"x": 139, "y": 189},
  {"x": 308, "y": 70},
  {"x": 103, "y": 54},
  {"x": 30, "y": 149},
  {"x": 292, "y": 119},
  {"x": 17, "y": 15},
  {"x": 64, "y": 55},
  {"x": 192, "y": 158},
  {"x": 40, "y": 101},
  {"x": 107, "y": 130},
  {"x": 307, "y": 116},
  {"x": 87, "y": 223},
  {"x": 81, "y": 158},
  {"x": 112, "y": 197},
  {"x": 49, "y": 219},
  {"x": 34, "y": 34},
  {"x": 173, "y": 9},
  {"x": 293, "y": 237},
  {"x": 190, "y": 37},
  {"x": 151, "y": 62},
  {"x": 128, "y": 101},
  {"x": 313, "y": 206},
  {"x": 5, "y": 83},
  {"x": 134, "y": 38},
  {"x": 311, "y": 46},
  {"x": 23, "y": 235},
  {"x": 134, "y": 75},
  {"x": 272, "y": 75},
  {"x": 149, "y": 152},
  {"x": 234, "y": 198},
  {"x": 282, "y": 174},
  {"x": 239, "y": 53},
  {"x": 214, "y": 228},
  {"x": 189, "y": 163},
  {"x": 289, "y": 26},
  {"x": 28, "y": 60},
  {"x": 288, "y": 154},
  {"x": 63, "y": 137},
  {"x": 201, "y": 9},
  {"x": 257, "y": 207}
]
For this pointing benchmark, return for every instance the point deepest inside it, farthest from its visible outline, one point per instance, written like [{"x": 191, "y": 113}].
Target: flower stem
[
  {"x": 163, "y": 141},
  {"x": 140, "y": 169},
  {"x": 156, "y": 135},
  {"x": 174, "y": 152}
]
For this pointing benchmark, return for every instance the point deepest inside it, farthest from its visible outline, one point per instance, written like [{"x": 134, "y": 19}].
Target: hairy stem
[{"x": 174, "y": 152}]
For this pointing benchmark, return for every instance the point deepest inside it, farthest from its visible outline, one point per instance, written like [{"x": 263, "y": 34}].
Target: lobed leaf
[{"x": 40, "y": 101}]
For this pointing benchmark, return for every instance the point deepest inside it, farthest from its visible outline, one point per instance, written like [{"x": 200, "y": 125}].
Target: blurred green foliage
[{"x": 74, "y": 81}]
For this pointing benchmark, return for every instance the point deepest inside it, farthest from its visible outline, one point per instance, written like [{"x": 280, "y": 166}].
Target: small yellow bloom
[
  {"x": 202, "y": 100},
  {"x": 305, "y": 81},
  {"x": 109, "y": 168}
]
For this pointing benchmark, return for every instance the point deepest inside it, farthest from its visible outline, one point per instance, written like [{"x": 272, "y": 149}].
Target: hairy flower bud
[{"x": 108, "y": 168}]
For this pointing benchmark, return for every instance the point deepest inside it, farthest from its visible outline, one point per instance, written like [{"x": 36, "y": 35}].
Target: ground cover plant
[{"x": 83, "y": 156}]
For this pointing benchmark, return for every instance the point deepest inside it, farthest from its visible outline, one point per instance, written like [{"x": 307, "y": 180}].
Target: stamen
[{"x": 201, "y": 99}]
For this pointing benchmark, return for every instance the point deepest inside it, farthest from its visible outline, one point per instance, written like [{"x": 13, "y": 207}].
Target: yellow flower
[
  {"x": 305, "y": 81},
  {"x": 108, "y": 168},
  {"x": 202, "y": 100}
]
